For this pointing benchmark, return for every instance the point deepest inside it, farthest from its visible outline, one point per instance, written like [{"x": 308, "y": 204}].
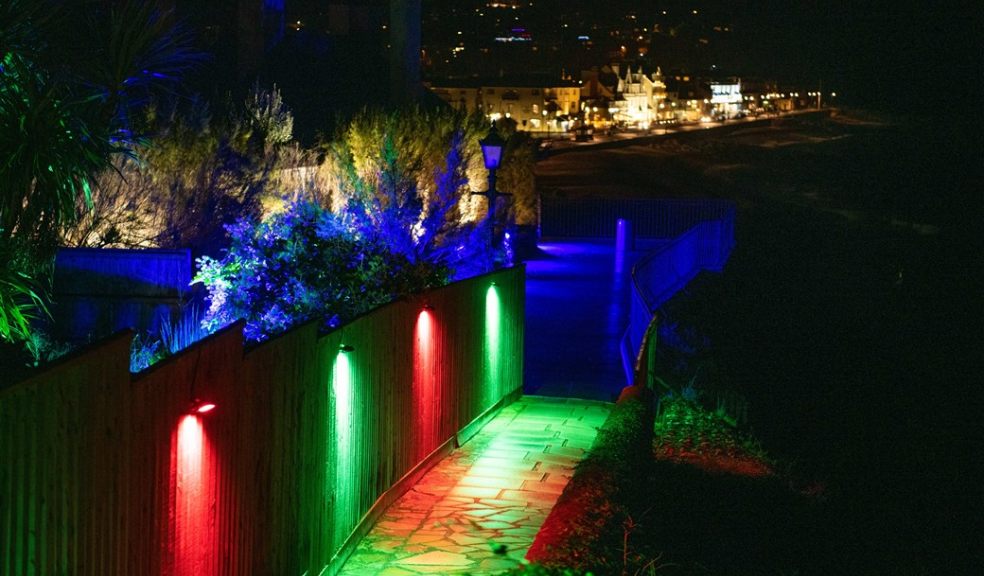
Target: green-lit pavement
[{"x": 479, "y": 509}]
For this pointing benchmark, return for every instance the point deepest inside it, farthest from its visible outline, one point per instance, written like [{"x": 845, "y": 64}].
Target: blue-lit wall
[{"x": 101, "y": 291}]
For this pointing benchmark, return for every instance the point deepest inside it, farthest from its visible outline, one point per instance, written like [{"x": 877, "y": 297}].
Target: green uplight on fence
[
  {"x": 345, "y": 510},
  {"x": 493, "y": 329}
]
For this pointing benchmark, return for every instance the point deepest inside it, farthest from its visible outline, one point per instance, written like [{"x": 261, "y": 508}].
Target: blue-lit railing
[{"x": 657, "y": 276}]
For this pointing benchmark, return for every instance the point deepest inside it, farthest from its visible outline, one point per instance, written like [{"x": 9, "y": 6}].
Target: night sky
[
  {"x": 893, "y": 55},
  {"x": 899, "y": 56}
]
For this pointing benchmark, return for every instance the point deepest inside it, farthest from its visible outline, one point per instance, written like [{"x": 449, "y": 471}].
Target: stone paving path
[{"x": 479, "y": 509}]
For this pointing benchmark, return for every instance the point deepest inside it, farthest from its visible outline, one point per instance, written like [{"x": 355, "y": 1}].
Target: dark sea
[{"x": 851, "y": 316}]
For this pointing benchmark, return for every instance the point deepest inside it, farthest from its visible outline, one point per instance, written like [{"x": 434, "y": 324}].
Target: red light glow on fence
[
  {"x": 426, "y": 388},
  {"x": 192, "y": 497}
]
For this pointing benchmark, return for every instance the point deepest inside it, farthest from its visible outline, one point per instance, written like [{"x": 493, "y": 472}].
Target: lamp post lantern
[{"x": 492, "y": 146}]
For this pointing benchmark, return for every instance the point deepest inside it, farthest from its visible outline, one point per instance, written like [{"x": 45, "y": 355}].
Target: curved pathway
[
  {"x": 577, "y": 310},
  {"x": 479, "y": 509}
]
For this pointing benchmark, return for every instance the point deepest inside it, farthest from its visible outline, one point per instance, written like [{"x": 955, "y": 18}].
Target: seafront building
[{"x": 535, "y": 104}]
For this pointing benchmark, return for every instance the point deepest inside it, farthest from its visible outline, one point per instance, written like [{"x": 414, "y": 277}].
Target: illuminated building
[
  {"x": 726, "y": 99},
  {"x": 638, "y": 97},
  {"x": 535, "y": 104}
]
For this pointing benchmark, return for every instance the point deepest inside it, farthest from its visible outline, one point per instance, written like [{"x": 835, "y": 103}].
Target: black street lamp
[{"x": 492, "y": 146}]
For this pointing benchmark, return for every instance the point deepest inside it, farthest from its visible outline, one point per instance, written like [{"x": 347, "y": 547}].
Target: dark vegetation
[
  {"x": 848, "y": 319},
  {"x": 582, "y": 532},
  {"x": 65, "y": 114},
  {"x": 846, "y": 344},
  {"x": 118, "y": 151}
]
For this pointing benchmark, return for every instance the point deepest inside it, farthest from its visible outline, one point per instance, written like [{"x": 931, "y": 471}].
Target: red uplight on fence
[{"x": 202, "y": 407}]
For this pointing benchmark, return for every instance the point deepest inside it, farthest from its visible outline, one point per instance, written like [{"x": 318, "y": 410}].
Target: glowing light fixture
[
  {"x": 346, "y": 348},
  {"x": 492, "y": 146},
  {"x": 201, "y": 407}
]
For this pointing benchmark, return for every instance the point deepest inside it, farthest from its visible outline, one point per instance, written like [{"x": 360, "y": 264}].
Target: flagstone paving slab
[{"x": 478, "y": 510}]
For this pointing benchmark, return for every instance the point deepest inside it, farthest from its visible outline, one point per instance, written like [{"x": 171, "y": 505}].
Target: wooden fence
[{"x": 103, "y": 473}]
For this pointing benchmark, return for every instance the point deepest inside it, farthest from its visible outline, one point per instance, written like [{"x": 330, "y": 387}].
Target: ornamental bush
[{"x": 305, "y": 263}]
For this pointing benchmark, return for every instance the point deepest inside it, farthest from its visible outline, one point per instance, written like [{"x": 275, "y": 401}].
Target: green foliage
[
  {"x": 405, "y": 175},
  {"x": 50, "y": 152},
  {"x": 197, "y": 172},
  {"x": 44, "y": 349},
  {"x": 402, "y": 152},
  {"x": 144, "y": 352},
  {"x": 175, "y": 337},
  {"x": 682, "y": 425},
  {"x": 269, "y": 117},
  {"x": 405, "y": 179},
  {"x": 64, "y": 115},
  {"x": 20, "y": 304},
  {"x": 378, "y": 151}
]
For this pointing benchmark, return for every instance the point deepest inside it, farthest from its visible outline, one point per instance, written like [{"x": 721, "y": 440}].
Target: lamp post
[{"x": 492, "y": 146}]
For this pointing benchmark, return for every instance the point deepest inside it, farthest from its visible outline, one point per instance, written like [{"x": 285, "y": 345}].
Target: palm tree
[{"x": 71, "y": 75}]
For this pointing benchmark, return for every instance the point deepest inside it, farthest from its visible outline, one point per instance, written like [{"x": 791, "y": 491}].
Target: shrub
[
  {"x": 176, "y": 336},
  {"x": 20, "y": 305},
  {"x": 304, "y": 263},
  {"x": 64, "y": 116},
  {"x": 144, "y": 352},
  {"x": 195, "y": 174},
  {"x": 403, "y": 177},
  {"x": 409, "y": 152},
  {"x": 269, "y": 118}
]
